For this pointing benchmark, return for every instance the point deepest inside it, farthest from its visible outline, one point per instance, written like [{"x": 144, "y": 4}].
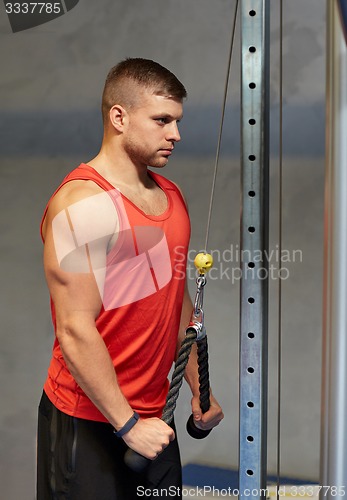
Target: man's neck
[{"x": 118, "y": 170}]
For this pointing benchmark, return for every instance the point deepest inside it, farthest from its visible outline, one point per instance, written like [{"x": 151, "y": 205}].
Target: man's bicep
[{"x": 72, "y": 290}]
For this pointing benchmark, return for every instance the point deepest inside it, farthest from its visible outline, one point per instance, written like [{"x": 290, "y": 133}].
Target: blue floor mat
[{"x": 219, "y": 478}]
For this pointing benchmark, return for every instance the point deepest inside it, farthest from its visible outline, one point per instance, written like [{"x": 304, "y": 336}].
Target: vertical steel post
[
  {"x": 333, "y": 474},
  {"x": 255, "y": 18}
]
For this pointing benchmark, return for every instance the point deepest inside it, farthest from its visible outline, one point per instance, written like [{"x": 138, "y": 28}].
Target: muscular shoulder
[
  {"x": 71, "y": 193},
  {"x": 88, "y": 209},
  {"x": 81, "y": 223}
]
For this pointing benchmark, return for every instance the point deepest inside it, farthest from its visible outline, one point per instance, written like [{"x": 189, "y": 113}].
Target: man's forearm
[{"x": 89, "y": 362}]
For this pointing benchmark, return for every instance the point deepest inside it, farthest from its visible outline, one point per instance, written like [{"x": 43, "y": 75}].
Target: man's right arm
[{"x": 77, "y": 295}]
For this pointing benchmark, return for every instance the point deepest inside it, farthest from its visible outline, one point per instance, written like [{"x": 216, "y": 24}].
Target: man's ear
[{"x": 118, "y": 116}]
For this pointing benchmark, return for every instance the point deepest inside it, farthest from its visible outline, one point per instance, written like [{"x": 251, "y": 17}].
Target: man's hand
[
  {"x": 149, "y": 437},
  {"x": 210, "y": 419}
]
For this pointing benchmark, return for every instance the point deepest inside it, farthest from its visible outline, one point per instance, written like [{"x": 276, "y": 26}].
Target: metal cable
[
  {"x": 190, "y": 338},
  {"x": 221, "y": 128},
  {"x": 133, "y": 459},
  {"x": 280, "y": 237}
]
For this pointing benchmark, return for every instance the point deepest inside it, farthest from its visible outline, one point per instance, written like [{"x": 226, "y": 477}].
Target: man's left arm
[{"x": 214, "y": 415}]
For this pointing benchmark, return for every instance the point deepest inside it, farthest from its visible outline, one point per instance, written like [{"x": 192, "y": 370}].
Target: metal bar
[
  {"x": 255, "y": 18},
  {"x": 333, "y": 471}
]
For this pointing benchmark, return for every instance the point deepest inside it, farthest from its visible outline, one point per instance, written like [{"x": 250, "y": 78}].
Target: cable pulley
[{"x": 195, "y": 331}]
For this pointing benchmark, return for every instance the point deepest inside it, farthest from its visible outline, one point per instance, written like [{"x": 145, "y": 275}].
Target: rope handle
[
  {"x": 204, "y": 388},
  {"x": 195, "y": 332},
  {"x": 137, "y": 462}
]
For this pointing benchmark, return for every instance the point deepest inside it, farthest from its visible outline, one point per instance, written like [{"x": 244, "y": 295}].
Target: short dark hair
[{"x": 150, "y": 75}]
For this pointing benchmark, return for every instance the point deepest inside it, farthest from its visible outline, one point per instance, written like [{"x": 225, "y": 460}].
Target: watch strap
[{"x": 128, "y": 425}]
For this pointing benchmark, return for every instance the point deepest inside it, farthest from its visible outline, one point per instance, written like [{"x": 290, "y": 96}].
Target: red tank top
[{"x": 143, "y": 295}]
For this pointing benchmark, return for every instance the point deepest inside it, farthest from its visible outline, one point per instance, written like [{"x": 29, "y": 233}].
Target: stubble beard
[{"x": 139, "y": 156}]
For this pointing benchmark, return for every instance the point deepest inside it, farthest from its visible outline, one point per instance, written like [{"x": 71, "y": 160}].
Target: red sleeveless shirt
[{"x": 142, "y": 302}]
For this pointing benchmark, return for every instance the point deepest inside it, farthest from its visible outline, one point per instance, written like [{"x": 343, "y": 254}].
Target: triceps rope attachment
[{"x": 195, "y": 332}]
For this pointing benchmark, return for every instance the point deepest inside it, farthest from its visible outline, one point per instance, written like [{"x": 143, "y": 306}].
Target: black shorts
[{"x": 80, "y": 459}]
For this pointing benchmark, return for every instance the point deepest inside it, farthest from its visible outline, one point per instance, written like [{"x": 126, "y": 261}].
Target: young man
[{"x": 111, "y": 235}]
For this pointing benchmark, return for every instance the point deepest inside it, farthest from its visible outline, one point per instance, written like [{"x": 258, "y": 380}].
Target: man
[{"x": 119, "y": 304}]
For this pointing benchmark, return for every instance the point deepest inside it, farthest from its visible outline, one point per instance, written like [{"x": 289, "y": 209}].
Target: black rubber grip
[
  {"x": 135, "y": 461},
  {"x": 139, "y": 463},
  {"x": 194, "y": 431}
]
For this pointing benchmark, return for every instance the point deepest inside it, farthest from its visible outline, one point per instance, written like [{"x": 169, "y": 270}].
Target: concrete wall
[{"x": 50, "y": 82}]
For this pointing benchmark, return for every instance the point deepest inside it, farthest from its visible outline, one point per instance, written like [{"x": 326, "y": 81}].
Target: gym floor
[{"x": 214, "y": 482}]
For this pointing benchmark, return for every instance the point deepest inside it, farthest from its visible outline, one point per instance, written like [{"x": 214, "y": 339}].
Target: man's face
[{"x": 152, "y": 130}]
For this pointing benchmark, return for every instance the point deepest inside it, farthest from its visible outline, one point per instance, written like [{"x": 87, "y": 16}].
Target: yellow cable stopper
[{"x": 203, "y": 262}]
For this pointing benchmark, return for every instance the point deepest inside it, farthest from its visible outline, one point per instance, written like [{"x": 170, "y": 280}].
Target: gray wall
[{"x": 51, "y": 81}]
